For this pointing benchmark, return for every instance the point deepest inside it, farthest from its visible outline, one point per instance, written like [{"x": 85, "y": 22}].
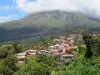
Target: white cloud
[
  {"x": 85, "y": 6},
  {"x": 7, "y": 18}
]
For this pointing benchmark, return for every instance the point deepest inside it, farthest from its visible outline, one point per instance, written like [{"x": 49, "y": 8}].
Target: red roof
[
  {"x": 68, "y": 48},
  {"x": 38, "y": 52}
]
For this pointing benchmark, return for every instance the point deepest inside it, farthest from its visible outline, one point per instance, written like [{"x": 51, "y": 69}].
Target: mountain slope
[
  {"x": 48, "y": 22},
  {"x": 51, "y": 19}
]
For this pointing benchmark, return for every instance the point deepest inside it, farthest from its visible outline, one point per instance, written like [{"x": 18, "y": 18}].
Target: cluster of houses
[{"x": 64, "y": 47}]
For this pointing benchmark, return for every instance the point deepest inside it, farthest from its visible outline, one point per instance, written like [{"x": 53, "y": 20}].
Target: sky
[{"x": 16, "y": 9}]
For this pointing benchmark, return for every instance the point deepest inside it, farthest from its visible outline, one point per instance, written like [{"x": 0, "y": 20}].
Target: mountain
[
  {"x": 50, "y": 19},
  {"x": 48, "y": 22}
]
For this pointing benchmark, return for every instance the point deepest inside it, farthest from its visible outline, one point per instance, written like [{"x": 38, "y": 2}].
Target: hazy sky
[{"x": 15, "y": 9}]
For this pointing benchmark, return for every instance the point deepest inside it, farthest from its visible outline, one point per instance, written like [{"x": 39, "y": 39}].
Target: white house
[
  {"x": 31, "y": 52},
  {"x": 48, "y": 52},
  {"x": 43, "y": 51},
  {"x": 67, "y": 58},
  {"x": 21, "y": 55}
]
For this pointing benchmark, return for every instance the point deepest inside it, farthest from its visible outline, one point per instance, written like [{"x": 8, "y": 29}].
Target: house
[
  {"x": 65, "y": 44},
  {"x": 21, "y": 55},
  {"x": 53, "y": 51},
  {"x": 48, "y": 52},
  {"x": 57, "y": 45},
  {"x": 67, "y": 58},
  {"x": 57, "y": 40},
  {"x": 52, "y": 47},
  {"x": 21, "y": 62},
  {"x": 31, "y": 52},
  {"x": 78, "y": 36},
  {"x": 42, "y": 51},
  {"x": 38, "y": 52},
  {"x": 58, "y": 54},
  {"x": 75, "y": 47},
  {"x": 83, "y": 46},
  {"x": 62, "y": 37},
  {"x": 69, "y": 38}
]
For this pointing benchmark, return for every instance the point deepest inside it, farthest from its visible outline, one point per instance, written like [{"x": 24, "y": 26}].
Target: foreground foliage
[{"x": 34, "y": 68}]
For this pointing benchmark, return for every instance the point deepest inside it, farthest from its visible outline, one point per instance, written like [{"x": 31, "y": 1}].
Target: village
[{"x": 64, "y": 48}]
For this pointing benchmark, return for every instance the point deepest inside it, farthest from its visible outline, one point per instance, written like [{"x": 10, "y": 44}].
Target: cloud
[
  {"x": 41, "y": 5},
  {"x": 86, "y": 6},
  {"x": 7, "y": 18}
]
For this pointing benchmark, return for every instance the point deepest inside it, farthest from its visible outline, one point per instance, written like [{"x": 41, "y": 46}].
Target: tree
[
  {"x": 4, "y": 69},
  {"x": 10, "y": 61},
  {"x": 49, "y": 60},
  {"x": 40, "y": 69},
  {"x": 88, "y": 41},
  {"x": 16, "y": 49},
  {"x": 92, "y": 45},
  {"x": 34, "y": 68},
  {"x": 3, "y": 53}
]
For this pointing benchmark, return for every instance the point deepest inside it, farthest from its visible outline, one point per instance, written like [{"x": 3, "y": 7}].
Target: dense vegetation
[{"x": 86, "y": 62}]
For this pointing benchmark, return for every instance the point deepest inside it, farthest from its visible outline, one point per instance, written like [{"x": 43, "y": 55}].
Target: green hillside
[
  {"x": 52, "y": 19},
  {"x": 47, "y": 22}
]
